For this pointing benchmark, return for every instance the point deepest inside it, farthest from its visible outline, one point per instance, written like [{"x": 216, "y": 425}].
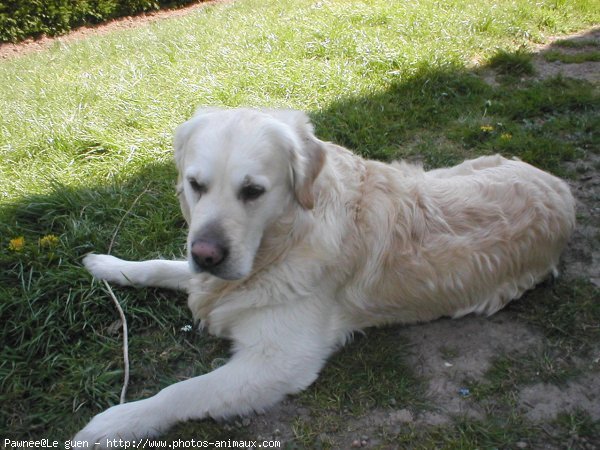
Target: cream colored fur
[{"x": 336, "y": 243}]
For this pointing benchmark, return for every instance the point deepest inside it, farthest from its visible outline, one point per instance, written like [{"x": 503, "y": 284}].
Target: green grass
[
  {"x": 357, "y": 379},
  {"x": 567, "y": 58},
  {"x": 575, "y": 43},
  {"x": 569, "y": 324},
  {"x": 85, "y": 155},
  {"x": 512, "y": 63}
]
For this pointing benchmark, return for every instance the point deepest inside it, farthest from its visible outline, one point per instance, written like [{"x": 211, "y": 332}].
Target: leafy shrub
[{"x": 21, "y": 19}]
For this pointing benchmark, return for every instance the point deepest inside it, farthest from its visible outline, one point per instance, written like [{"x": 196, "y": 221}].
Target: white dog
[{"x": 295, "y": 243}]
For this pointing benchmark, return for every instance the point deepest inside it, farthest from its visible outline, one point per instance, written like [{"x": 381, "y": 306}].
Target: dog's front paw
[
  {"x": 128, "y": 422},
  {"x": 107, "y": 267}
]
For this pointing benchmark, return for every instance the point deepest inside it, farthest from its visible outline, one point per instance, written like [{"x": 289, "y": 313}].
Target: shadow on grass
[{"x": 61, "y": 349}]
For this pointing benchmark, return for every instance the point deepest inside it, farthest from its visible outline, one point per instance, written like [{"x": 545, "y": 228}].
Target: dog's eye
[
  {"x": 197, "y": 187},
  {"x": 251, "y": 192}
]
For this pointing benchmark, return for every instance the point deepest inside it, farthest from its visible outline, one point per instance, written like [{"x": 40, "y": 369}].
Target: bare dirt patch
[
  {"x": 588, "y": 71},
  {"x": 580, "y": 43},
  {"x": 541, "y": 401},
  {"x": 450, "y": 353}
]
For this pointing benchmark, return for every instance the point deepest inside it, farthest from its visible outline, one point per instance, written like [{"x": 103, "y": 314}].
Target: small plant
[
  {"x": 16, "y": 244},
  {"x": 49, "y": 241},
  {"x": 25, "y": 250}
]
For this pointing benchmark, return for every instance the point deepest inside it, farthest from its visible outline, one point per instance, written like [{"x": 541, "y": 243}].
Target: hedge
[{"x": 20, "y": 19}]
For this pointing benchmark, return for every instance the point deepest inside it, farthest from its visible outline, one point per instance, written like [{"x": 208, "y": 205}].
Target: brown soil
[{"x": 589, "y": 71}]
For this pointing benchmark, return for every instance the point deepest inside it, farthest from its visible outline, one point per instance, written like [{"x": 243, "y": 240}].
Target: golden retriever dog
[{"x": 295, "y": 243}]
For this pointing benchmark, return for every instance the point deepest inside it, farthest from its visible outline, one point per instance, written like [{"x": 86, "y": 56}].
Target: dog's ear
[{"x": 308, "y": 160}]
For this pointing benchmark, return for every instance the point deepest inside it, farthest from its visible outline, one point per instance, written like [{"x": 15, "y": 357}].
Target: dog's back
[{"x": 453, "y": 241}]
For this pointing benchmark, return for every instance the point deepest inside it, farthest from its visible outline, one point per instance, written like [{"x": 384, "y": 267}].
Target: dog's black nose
[{"x": 208, "y": 253}]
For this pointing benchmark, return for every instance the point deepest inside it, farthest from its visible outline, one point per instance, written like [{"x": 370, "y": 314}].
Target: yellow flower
[
  {"x": 49, "y": 240},
  {"x": 16, "y": 244},
  {"x": 506, "y": 136},
  {"x": 486, "y": 128}
]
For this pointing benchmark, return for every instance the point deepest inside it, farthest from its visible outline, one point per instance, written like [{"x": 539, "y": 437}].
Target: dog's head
[{"x": 239, "y": 172}]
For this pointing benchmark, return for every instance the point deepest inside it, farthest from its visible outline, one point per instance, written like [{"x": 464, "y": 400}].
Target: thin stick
[
  {"x": 125, "y": 342},
  {"x": 118, "y": 305}
]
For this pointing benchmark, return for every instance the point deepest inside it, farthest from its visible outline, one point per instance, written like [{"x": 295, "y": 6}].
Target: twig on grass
[
  {"x": 125, "y": 342},
  {"x": 118, "y": 305}
]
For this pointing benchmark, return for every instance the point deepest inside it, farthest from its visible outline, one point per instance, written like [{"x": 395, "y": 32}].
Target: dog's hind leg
[{"x": 155, "y": 273}]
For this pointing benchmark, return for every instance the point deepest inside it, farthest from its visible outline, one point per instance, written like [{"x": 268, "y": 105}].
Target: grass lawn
[{"x": 85, "y": 145}]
